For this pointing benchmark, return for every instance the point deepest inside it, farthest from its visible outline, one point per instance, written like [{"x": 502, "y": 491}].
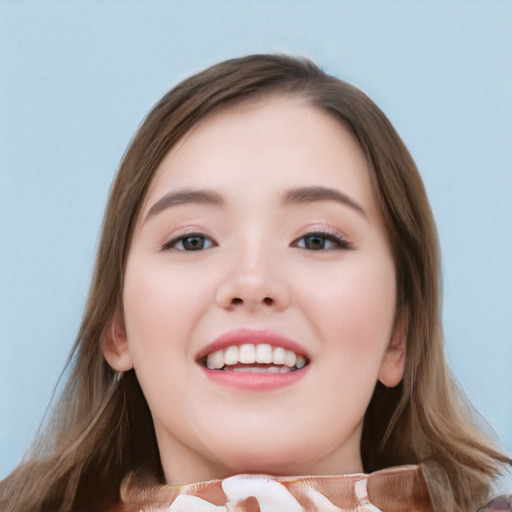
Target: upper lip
[{"x": 254, "y": 336}]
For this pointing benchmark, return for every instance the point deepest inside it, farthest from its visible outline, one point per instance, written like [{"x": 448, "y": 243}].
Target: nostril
[{"x": 238, "y": 301}]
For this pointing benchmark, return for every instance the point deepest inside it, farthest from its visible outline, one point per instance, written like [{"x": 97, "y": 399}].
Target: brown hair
[{"x": 101, "y": 427}]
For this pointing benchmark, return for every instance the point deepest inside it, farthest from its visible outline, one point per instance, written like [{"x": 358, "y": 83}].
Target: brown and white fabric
[{"x": 400, "y": 489}]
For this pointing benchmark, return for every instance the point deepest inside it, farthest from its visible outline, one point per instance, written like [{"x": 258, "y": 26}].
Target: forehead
[{"x": 268, "y": 144}]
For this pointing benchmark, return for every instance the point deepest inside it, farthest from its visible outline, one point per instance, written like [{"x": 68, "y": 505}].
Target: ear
[
  {"x": 115, "y": 345},
  {"x": 393, "y": 363}
]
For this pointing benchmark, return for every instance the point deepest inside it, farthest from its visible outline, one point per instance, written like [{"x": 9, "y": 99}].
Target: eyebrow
[
  {"x": 312, "y": 194},
  {"x": 185, "y": 196},
  {"x": 295, "y": 196}
]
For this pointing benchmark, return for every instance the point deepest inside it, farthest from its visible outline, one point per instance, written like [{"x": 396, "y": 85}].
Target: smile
[{"x": 254, "y": 358}]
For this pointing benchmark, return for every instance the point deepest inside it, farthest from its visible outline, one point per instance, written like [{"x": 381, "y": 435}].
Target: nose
[{"x": 253, "y": 282}]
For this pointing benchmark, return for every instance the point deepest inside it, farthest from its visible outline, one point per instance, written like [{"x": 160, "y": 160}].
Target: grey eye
[
  {"x": 192, "y": 242},
  {"x": 321, "y": 241}
]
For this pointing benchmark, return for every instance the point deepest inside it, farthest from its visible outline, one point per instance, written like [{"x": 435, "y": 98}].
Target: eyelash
[
  {"x": 171, "y": 244},
  {"x": 339, "y": 241}
]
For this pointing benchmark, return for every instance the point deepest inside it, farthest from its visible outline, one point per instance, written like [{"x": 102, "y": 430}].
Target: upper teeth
[{"x": 249, "y": 353}]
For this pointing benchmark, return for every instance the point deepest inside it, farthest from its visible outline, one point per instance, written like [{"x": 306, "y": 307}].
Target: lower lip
[{"x": 255, "y": 381}]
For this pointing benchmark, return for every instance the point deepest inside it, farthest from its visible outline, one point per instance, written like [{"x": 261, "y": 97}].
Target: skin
[{"x": 257, "y": 270}]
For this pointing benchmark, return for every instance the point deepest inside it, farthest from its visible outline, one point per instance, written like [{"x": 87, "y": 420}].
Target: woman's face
[{"x": 259, "y": 297}]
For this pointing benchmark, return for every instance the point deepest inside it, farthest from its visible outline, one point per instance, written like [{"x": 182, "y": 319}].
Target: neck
[{"x": 185, "y": 465}]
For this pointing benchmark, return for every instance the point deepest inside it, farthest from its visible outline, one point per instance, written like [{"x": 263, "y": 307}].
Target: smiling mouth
[{"x": 254, "y": 358}]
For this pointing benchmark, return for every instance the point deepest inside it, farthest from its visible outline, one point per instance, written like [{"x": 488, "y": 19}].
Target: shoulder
[{"x": 499, "y": 504}]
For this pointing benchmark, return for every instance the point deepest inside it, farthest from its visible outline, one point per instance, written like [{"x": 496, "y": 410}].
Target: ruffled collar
[{"x": 400, "y": 489}]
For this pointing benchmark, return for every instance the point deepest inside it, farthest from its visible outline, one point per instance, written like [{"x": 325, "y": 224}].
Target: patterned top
[
  {"x": 501, "y": 503},
  {"x": 400, "y": 489}
]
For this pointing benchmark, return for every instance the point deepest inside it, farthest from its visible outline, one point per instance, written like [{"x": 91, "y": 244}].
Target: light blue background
[{"x": 77, "y": 78}]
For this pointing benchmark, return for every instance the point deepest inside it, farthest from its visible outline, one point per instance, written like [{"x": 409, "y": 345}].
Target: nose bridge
[
  {"x": 254, "y": 258},
  {"x": 253, "y": 278}
]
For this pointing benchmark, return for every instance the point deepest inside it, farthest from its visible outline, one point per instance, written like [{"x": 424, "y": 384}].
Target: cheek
[
  {"x": 149, "y": 305},
  {"x": 356, "y": 309},
  {"x": 161, "y": 308},
  {"x": 155, "y": 294}
]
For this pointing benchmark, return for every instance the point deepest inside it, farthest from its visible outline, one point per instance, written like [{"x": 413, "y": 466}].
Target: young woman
[{"x": 263, "y": 327}]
